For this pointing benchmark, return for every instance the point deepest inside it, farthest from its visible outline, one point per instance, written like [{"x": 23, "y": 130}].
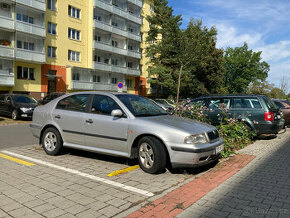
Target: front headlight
[
  {"x": 195, "y": 139},
  {"x": 24, "y": 109}
]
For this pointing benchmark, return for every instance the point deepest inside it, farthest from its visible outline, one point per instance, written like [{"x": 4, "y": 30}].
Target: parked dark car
[
  {"x": 17, "y": 106},
  {"x": 50, "y": 97},
  {"x": 285, "y": 108},
  {"x": 259, "y": 112}
]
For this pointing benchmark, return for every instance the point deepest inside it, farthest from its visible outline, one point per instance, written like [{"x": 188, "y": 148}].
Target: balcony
[
  {"x": 28, "y": 55},
  {"x": 30, "y": 28},
  {"x": 37, "y": 4},
  {"x": 115, "y": 69},
  {"x": 6, "y": 23},
  {"x": 117, "y": 31},
  {"x": 136, "y": 2},
  {"x": 84, "y": 85},
  {"x": 6, "y": 79},
  {"x": 118, "y": 11},
  {"x": 120, "y": 51},
  {"x": 6, "y": 51}
]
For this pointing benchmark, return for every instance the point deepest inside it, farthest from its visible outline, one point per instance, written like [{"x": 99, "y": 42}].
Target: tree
[
  {"x": 260, "y": 87},
  {"x": 277, "y": 93},
  {"x": 243, "y": 66},
  {"x": 183, "y": 61},
  {"x": 284, "y": 84}
]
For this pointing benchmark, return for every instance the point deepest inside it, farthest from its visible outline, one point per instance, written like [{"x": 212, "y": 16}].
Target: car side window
[
  {"x": 74, "y": 103},
  {"x": 103, "y": 104},
  {"x": 279, "y": 104},
  {"x": 246, "y": 103},
  {"x": 218, "y": 103}
]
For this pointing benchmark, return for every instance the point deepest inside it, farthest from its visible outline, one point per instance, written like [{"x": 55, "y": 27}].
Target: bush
[{"x": 235, "y": 132}]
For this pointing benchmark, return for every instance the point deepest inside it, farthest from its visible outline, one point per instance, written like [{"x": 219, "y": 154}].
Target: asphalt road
[{"x": 16, "y": 135}]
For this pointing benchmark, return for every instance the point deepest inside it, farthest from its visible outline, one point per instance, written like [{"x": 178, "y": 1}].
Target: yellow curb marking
[
  {"x": 16, "y": 160},
  {"x": 123, "y": 170}
]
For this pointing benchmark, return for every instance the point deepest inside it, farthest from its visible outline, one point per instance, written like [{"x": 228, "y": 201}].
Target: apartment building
[
  {"x": 67, "y": 46},
  {"x": 22, "y": 35}
]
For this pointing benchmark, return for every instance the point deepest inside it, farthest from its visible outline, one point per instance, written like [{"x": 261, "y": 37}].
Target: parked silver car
[{"x": 125, "y": 125}]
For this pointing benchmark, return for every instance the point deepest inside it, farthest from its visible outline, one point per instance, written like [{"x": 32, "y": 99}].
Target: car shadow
[{"x": 266, "y": 137}]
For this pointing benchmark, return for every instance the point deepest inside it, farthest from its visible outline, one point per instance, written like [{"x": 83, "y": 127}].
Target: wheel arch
[{"x": 45, "y": 128}]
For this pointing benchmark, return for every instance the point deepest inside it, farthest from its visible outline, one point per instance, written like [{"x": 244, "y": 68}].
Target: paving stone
[
  {"x": 110, "y": 211},
  {"x": 76, "y": 209},
  {"x": 54, "y": 212},
  {"x": 89, "y": 214}
]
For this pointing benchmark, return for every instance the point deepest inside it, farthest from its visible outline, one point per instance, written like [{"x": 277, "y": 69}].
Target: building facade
[{"x": 66, "y": 46}]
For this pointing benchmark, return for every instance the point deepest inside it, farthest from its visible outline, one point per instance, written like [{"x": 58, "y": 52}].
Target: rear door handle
[
  {"x": 57, "y": 116},
  {"x": 90, "y": 121}
]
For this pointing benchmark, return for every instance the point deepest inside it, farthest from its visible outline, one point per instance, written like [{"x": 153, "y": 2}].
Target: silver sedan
[{"x": 125, "y": 125}]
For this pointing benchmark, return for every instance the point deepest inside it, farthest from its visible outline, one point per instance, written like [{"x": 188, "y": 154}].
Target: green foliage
[
  {"x": 235, "y": 132},
  {"x": 243, "y": 66},
  {"x": 277, "y": 93},
  {"x": 260, "y": 87},
  {"x": 191, "y": 52}
]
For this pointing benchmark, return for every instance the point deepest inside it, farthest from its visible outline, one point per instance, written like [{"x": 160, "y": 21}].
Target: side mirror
[{"x": 117, "y": 113}]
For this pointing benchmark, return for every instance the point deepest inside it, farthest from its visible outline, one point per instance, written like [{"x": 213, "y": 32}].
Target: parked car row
[
  {"x": 19, "y": 106},
  {"x": 258, "y": 112}
]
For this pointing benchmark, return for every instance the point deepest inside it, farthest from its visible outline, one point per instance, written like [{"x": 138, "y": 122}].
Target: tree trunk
[{"x": 178, "y": 85}]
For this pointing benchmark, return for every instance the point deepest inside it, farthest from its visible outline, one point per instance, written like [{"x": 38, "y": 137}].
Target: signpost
[{"x": 120, "y": 87}]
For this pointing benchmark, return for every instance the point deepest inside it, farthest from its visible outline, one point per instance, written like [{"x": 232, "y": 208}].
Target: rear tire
[
  {"x": 151, "y": 155},
  {"x": 51, "y": 141}
]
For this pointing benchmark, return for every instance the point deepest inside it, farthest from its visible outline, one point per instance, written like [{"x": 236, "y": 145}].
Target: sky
[{"x": 263, "y": 24}]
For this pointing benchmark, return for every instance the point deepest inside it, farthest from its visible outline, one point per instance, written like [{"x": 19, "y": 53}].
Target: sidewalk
[{"x": 261, "y": 189}]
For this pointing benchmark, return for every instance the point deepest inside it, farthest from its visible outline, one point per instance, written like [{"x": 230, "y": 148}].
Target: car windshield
[
  {"x": 161, "y": 101},
  {"x": 24, "y": 99},
  {"x": 141, "y": 107}
]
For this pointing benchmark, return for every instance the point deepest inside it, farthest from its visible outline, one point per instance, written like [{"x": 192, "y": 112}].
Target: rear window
[
  {"x": 270, "y": 104},
  {"x": 246, "y": 102}
]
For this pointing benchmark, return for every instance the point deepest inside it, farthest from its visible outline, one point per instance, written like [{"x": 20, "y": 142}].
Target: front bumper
[{"x": 190, "y": 156}]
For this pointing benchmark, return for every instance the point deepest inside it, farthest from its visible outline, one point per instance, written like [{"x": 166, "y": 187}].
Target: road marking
[
  {"x": 123, "y": 170},
  {"x": 76, "y": 172},
  {"x": 16, "y": 160}
]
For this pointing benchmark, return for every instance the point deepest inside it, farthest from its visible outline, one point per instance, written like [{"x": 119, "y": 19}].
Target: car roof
[
  {"x": 230, "y": 95},
  {"x": 99, "y": 92}
]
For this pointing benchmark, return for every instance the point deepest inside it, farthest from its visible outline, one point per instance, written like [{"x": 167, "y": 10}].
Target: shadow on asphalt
[{"x": 132, "y": 162}]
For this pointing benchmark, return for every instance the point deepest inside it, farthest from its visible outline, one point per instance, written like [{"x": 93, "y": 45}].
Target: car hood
[
  {"x": 26, "y": 105},
  {"x": 184, "y": 124}
]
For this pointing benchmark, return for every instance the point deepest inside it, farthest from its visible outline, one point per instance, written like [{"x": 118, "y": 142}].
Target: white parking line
[{"x": 76, "y": 172}]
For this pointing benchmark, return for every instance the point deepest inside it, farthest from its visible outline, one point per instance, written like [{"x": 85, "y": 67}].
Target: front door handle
[
  {"x": 57, "y": 116},
  {"x": 90, "y": 121}
]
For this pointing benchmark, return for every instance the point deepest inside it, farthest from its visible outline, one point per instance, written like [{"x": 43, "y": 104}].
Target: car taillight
[{"x": 269, "y": 116}]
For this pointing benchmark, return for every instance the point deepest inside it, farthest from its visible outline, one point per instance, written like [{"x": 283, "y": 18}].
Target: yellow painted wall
[
  {"x": 61, "y": 41},
  {"x": 28, "y": 85},
  {"x": 144, "y": 29}
]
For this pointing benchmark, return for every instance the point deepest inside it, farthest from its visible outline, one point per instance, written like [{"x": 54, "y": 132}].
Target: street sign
[{"x": 120, "y": 87}]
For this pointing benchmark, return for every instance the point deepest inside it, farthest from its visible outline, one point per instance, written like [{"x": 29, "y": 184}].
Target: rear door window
[
  {"x": 246, "y": 102},
  {"x": 74, "y": 103}
]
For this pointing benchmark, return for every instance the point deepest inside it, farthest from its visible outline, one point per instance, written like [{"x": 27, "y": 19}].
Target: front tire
[
  {"x": 151, "y": 155},
  {"x": 51, "y": 141},
  {"x": 14, "y": 115}
]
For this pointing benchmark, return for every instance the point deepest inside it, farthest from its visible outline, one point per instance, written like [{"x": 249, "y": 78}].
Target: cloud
[{"x": 276, "y": 51}]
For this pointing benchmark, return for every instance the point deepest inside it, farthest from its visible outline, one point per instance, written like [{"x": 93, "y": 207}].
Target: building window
[
  {"x": 130, "y": 65},
  {"x": 74, "y": 34},
  {"x": 114, "y": 61},
  {"x": 74, "y": 12},
  {"x": 114, "y": 43},
  {"x": 130, "y": 47},
  {"x": 151, "y": 8},
  {"x": 51, "y": 28},
  {"x": 25, "y": 18},
  {"x": 130, "y": 29},
  {"x": 25, "y": 45},
  {"x": 73, "y": 56},
  {"x": 97, "y": 38},
  {"x": 51, "y": 4},
  {"x": 114, "y": 80},
  {"x": 129, "y": 83},
  {"x": 76, "y": 76},
  {"x": 51, "y": 52},
  {"x": 98, "y": 18},
  {"x": 114, "y": 24},
  {"x": 96, "y": 79},
  {"x": 25, "y": 73}
]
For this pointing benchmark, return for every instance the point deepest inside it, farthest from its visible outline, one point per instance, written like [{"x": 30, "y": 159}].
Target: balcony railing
[
  {"x": 28, "y": 55},
  {"x": 30, "y": 28},
  {"x": 6, "y": 51},
  {"x": 118, "y": 11},
  {"x": 136, "y": 2},
  {"x": 115, "y": 69},
  {"x": 6, "y": 22},
  {"x": 84, "y": 85},
  {"x": 6, "y": 79},
  {"x": 117, "y": 31},
  {"x": 37, "y": 4},
  {"x": 120, "y": 51}
]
